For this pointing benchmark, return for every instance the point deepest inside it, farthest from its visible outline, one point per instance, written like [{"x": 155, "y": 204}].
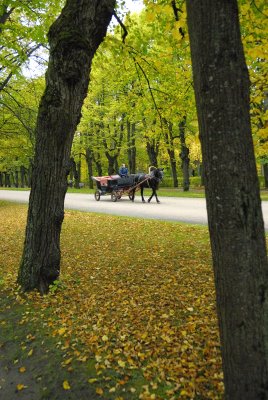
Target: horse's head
[{"x": 158, "y": 173}]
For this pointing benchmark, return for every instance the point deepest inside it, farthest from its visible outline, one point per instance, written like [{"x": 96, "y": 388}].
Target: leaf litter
[{"x": 135, "y": 297}]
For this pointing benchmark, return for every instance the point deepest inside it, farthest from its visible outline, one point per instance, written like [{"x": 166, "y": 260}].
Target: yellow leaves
[
  {"x": 148, "y": 317},
  {"x": 67, "y": 362},
  {"x": 61, "y": 331},
  {"x": 66, "y": 385},
  {"x": 121, "y": 363},
  {"x": 20, "y": 387},
  {"x": 22, "y": 370},
  {"x": 30, "y": 353},
  {"x": 92, "y": 380},
  {"x": 99, "y": 391}
]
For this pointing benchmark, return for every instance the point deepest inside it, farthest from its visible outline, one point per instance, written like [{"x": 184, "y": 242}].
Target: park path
[{"x": 188, "y": 210}]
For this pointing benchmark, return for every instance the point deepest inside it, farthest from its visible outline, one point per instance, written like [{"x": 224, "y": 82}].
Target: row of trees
[
  {"x": 140, "y": 106},
  {"x": 221, "y": 84}
]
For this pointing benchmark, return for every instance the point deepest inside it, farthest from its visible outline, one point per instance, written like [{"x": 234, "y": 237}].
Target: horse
[{"x": 151, "y": 181}]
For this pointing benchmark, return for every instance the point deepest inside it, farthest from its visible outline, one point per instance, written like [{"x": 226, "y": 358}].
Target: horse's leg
[
  {"x": 158, "y": 201},
  {"x": 132, "y": 195},
  {"x": 142, "y": 198},
  {"x": 153, "y": 194},
  {"x": 150, "y": 198}
]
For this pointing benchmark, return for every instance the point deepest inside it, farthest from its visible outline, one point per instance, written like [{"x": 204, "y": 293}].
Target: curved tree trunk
[
  {"x": 74, "y": 39},
  {"x": 232, "y": 191}
]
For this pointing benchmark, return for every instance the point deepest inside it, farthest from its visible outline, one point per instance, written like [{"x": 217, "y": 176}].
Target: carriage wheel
[
  {"x": 97, "y": 195},
  {"x": 114, "y": 196}
]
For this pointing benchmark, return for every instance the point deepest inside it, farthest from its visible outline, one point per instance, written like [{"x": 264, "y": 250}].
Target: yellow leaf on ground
[
  {"x": 20, "y": 386},
  {"x": 99, "y": 391},
  {"x": 22, "y": 369},
  {"x": 121, "y": 363},
  {"x": 30, "y": 352},
  {"x": 61, "y": 331},
  {"x": 66, "y": 385}
]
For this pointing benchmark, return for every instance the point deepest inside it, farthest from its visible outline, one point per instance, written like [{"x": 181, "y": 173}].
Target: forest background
[{"x": 140, "y": 107}]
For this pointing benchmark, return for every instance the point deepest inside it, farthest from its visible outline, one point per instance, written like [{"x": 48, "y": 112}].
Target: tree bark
[
  {"x": 89, "y": 160},
  {"x": 74, "y": 39},
  {"x": 236, "y": 226},
  {"x": 169, "y": 139},
  {"x": 131, "y": 146},
  {"x": 184, "y": 155},
  {"x": 265, "y": 173},
  {"x": 22, "y": 176},
  {"x": 152, "y": 147}
]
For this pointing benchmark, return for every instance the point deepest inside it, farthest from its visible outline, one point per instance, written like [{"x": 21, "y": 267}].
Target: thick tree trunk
[
  {"x": 184, "y": 155},
  {"x": 232, "y": 191},
  {"x": 74, "y": 39}
]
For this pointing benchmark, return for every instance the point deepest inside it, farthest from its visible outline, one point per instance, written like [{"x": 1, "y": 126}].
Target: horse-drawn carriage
[{"x": 117, "y": 186}]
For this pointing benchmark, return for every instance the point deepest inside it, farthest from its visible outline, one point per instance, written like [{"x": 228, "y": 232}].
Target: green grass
[{"x": 167, "y": 192}]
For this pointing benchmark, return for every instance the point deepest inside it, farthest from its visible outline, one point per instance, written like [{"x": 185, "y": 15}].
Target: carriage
[{"x": 117, "y": 186}]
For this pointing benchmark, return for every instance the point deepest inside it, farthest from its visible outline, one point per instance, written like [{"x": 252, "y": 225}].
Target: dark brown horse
[{"x": 151, "y": 181}]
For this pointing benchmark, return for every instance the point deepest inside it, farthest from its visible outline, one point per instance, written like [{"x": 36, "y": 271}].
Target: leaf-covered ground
[{"x": 133, "y": 316}]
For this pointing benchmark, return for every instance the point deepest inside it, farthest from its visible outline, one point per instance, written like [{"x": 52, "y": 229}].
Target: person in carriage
[{"x": 123, "y": 171}]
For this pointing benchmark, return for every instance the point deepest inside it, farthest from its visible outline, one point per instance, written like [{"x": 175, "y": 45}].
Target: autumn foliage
[{"x": 135, "y": 303}]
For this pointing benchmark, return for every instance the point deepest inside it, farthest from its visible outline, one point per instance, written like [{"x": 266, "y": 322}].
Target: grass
[
  {"x": 132, "y": 317},
  {"x": 168, "y": 192}
]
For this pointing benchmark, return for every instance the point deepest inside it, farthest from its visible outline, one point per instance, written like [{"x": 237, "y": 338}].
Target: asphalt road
[{"x": 180, "y": 209}]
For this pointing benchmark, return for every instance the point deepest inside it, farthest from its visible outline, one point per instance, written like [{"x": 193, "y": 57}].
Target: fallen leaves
[
  {"x": 66, "y": 385},
  {"x": 144, "y": 314}
]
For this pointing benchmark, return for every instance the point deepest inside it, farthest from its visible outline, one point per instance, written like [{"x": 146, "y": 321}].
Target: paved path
[{"x": 171, "y": 208}]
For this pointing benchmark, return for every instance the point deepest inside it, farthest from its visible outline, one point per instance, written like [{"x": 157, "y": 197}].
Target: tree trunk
[
  {"x": 75, "y": 172},
  {"x": 74, "y": 38},
  {"x": 22, "y": 176},
  {"x": 16, "y": 179},
  {"x": 169, "y": 139},
  {"x": 131, "y": 149},
  {"x": 1, "y": 179},
  {"x": 152, "y": 147},
  {"x": 236, "y": 226},
  {"x": 7, "y": 179},
  {"x": 89, "y": 160},
  {"x": 265, "y": 173},
  {"x": 184, "y": 155}
]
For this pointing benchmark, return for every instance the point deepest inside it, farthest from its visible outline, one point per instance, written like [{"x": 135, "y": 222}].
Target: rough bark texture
[
  {"x": 233, "y": 202},
  {"x": 74, "y": 38}
]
